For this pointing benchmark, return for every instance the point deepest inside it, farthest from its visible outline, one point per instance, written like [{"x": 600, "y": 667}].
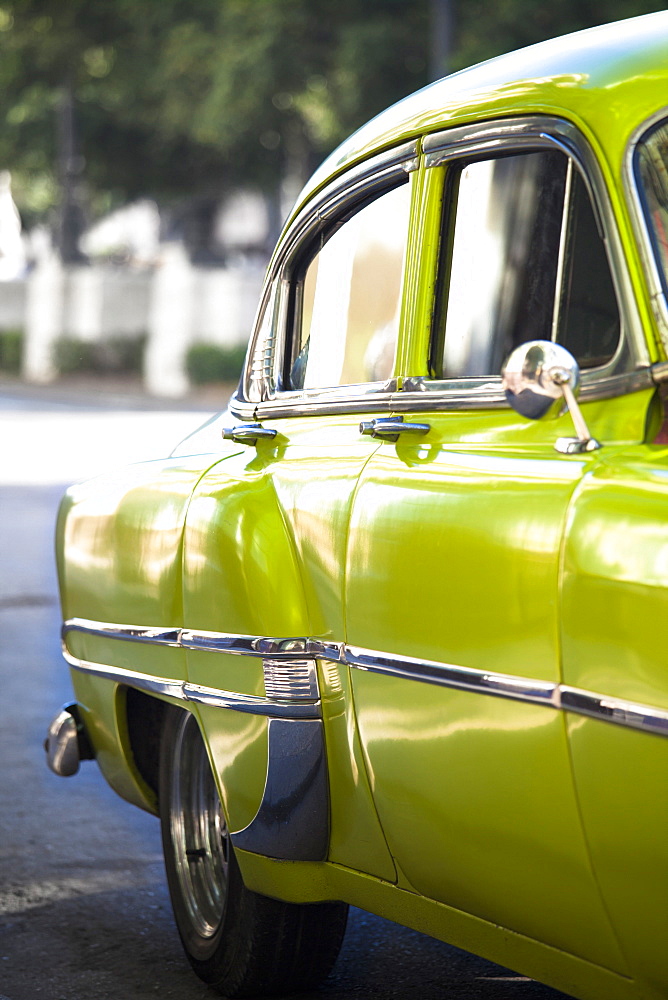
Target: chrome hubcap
[{"x": 199, "y": 834}]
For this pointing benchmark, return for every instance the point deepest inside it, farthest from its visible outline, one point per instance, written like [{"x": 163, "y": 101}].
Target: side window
[
  {"x": 522, "y": 260},
  {"x": 348, "y": 298},
  {"x": 651, "y": 163}
]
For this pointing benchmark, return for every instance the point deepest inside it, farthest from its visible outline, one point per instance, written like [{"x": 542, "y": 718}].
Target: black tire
[{"x": 241, "y": 943}]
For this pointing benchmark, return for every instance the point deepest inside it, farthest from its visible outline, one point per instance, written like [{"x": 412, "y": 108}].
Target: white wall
[{"x": 175, "y": 304}]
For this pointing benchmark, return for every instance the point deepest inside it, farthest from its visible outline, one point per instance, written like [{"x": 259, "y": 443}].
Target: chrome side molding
[
  {"x": 450, "y": 676},
  {"x": 291, "y": 682},
  {"x": 623, "y": 713},
  {"x": 196, "y": 693}
]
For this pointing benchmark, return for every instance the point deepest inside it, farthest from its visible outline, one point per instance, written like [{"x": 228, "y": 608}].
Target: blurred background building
[{"x": 150, "y": 152}]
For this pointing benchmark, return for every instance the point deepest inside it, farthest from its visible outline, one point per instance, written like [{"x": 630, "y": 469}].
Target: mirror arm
[{"x": 584, "y": 441}]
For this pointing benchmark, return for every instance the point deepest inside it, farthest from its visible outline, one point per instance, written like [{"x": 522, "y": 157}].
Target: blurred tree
[
  {"x": 190, "y": 97},
  {"x": 184, "y": 100},
  {"x": 512, "y": 24}
]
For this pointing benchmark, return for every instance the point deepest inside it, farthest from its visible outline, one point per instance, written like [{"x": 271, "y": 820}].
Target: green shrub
[
  {"x": 72, "y": 355},
  {"x": 124, "y": 355},
  {"x": 211, "y": 363},
  {"x": 11, "y": 350},
  {"x": 112, "y": 356}
]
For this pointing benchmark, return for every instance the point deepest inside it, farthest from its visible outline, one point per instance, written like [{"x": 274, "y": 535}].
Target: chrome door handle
[
  {"x": 248, "y": 433},
  {"x": 389, "y": 428}
]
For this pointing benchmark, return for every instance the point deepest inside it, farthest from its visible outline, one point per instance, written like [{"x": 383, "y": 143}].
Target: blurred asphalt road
[{"x": 84, "y": 913}]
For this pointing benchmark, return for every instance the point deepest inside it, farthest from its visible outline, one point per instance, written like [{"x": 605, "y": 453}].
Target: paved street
[{"x": 84, "y": 913}]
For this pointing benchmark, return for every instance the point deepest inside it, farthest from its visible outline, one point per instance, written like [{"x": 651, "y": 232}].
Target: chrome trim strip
[
  {"x": 197, "y": 693},
  {"x": 242, "y": 409},
  {"x": 505, "y": 130},
  {"x": 533, "y": 139},
  {"x": 240, "y": 645},
  {"x": 243, "y": 645},
  {"x": 322, "y": 407},
  {"x": 631, "y": 715},
  {"x": 479, "y": 393},
  {"x": 659, "y": 372},
  {"x": 420, "y": 394},
  {"x": 299, "y": 693},
  {"x": 382, "y": 165},
  {"x": 130, "y": 633},
  {"x": 450, "y": 676},
  {"x": 143, "y": 682},
  {"x": 216, "y": 698},
  {"x": 623, "y": 713},
  {"x": 334, "y": 651}
]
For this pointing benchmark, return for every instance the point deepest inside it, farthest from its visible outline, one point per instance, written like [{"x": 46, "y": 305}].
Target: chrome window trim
[
  {"x": 490, "y": 139},
  {"x": 258, "y": 368},
  {"x": 466, "y": 393},
  {"x": 341, "y": 401},
  {"x": 628, "y": 371},
  {"x": 424, "y": 394},
  {"x": 298, "y": 702},
  {"x": 634, "y": 199},
  {"x": 346, "y": 188},
  {"x": 545, "y": 131},
  {"x": 335, "y": 393},
  {"x": 317, "y": 222},
  {"x": 375, "y": 173},
  {"x": 659, "y": 372},
  {"x": 242, "y": 409}
]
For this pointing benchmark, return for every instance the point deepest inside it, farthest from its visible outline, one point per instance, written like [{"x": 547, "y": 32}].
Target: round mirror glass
[{"x": 534, "y": 375}]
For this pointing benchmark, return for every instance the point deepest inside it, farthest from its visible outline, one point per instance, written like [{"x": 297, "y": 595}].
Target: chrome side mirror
[{"x": 540, "y": 377}]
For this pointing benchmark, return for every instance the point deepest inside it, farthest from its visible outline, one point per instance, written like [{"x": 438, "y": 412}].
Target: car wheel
[{"x": 237, "y": 941}]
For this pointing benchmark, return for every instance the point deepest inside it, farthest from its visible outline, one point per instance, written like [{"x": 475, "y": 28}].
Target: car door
[
  {"x": 266, "y": 532},
  {"x": 455, "y": 546},
  {"x": 613, "y": 640}
]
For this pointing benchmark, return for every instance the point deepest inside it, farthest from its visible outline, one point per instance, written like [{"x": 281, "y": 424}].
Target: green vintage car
[{"x": 388, "y": 631}]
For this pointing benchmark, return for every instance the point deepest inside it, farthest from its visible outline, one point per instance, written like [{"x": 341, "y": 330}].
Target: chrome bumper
[{"x": 66, "y": 742}]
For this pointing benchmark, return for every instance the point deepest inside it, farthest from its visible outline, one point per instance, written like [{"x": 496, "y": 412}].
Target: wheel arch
[{"x": 144, "y": 719}]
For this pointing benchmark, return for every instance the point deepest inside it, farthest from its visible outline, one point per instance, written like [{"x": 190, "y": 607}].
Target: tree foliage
[
  {"x": 181, "y": 97},
  {"x": 512, "y": 24}
]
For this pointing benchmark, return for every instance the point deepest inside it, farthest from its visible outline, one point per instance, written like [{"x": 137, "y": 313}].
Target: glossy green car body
[{"x": 463, "y": 622}]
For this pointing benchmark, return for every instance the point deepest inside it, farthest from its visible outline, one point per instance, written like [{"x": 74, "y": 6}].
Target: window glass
[
  {"x": 350, "y": 298},
  {"x": 588, "y": 322},
  {"x": 523, "y": 260},
  {"x": 652, "y": 173}
]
